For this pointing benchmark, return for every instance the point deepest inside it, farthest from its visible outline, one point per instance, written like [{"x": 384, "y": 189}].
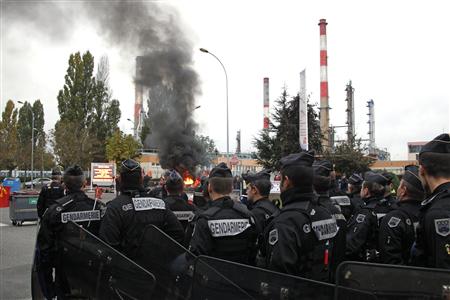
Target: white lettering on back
[
  {"x": 148, "y": 203},
  {"x": 228, "y": 227}
]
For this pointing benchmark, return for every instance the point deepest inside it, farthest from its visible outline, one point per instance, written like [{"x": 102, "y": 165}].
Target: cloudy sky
[{"x": 395, "y": 52}]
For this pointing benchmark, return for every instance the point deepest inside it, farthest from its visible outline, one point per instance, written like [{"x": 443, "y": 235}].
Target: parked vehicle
[{"x": 38, "y": 182}]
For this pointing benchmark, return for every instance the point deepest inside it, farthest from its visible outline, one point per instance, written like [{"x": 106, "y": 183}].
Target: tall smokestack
[
  {"x": 138, "y": 96},
  {"x": 350, "y": 112},
  {"x": 324, "y": 106},
  {"x": 371, "y": 114},
  {"x": 238, "y": 142},
  {"x": 266, "y": 103}
]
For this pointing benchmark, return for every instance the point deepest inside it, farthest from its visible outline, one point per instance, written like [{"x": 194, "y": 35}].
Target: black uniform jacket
[
  {"x": 262, "y": 210},
  {"x": 127, "y": 216},
  {"x": 362, "y": 230},
  {"x": 397, "y": 232},
  {"x": 226, "y": 230},
  {"x": 432, "y": 247},
  {"x": 298, "y": 240},
  {"x": 49, "y": 193},
  {"x": 184, "y": 211},
  {"x": 76, "y": 207},
  {"x": 340, "y": 238}
]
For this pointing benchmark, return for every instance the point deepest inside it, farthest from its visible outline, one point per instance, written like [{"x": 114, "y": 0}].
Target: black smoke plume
[{"x": 154, "y": 31}]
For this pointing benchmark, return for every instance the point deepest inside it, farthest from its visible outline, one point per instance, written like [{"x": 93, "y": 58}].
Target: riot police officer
[
  {"x": 397, "y": 229},
  {"x": 322, "y": 182},
  {"x": 432, "y": 247},
  {"x": 362, "y": 233},
  {"x": 299, "y": 239},
  {"x": 200, "y": 199},
  {"x": 76, "y": 206},
  {"x": 389, "y": 198},
  {"x": 184, "y": 211},
  {"x": 227, "y": 229},
  {"x": 258, "y": 190},
  {"x": 128, "y": 214},
  {"x": 354, "y": 190},
  {"x": 49, "y": 193}
]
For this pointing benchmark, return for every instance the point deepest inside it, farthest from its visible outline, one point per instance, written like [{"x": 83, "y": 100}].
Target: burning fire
[{"x": 188, "y": 179}]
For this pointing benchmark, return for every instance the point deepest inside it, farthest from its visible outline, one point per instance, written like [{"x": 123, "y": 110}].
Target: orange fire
[{"x": 188, "y": 179}]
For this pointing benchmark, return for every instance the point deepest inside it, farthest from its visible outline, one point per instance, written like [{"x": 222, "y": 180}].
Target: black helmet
[
  {"x": 130, "y": 175},
  {"x": 174, "y": 181}
]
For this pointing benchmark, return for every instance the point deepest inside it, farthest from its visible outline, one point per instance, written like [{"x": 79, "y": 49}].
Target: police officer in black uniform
[
  {"x": 322, "y": 182},
  {"x": 128, "y": 214},
  {"x": 49, "y": 193},
  {"x": 354, "y": 190},
  {"x": 201, "y": 199},
  {"x": 432, "y": 248},
  {"x": 227, "y": 229},
  {"x": 76, "y": 206},
  {"x": 299, "y": 239},
  {"x": 362, "y": 233},
  {"x": 389, "y": 198},
  {"x": 397, "y": 229},
  {"x": 258, "y": 190},
  {"x": 184, "y": 211}
]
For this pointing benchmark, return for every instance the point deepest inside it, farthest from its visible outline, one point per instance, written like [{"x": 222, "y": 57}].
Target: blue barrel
[{"x": 13, "y": 183}]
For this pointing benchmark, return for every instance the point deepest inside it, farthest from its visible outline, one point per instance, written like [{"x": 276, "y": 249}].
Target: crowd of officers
[{"x": 314, "y": 229}]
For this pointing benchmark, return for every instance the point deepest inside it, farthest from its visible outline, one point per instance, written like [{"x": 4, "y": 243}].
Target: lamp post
[
  {"x": 32, "y": 141},
  {"x": 134, "y": 128},
  {"x": 226, "y": 88}
]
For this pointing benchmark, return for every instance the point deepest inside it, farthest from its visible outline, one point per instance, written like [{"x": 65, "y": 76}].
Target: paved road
[{"x": 16, "y": 255}]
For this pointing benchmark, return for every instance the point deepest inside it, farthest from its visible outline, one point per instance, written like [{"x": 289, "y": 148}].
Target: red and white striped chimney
[
  {"x": 324, "y": 106},
  {"x": 266, "y": 103}
]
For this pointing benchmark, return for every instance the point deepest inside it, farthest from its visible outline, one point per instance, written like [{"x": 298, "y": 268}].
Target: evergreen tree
[
  {"x": 349, "y": 158},
  {"x": 8, "y": 138},
  {"x": 281, "y": 138},
  {"x": 24, "y": 130},
  {"x": 88, "y": 115}
]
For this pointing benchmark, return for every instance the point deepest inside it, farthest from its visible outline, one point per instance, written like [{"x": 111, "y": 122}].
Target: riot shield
[
  {"x": 87, "y": 268},
  {"x": 395, "y": 282},
  {"x": 172, "y": 265},
  {"x": 256, "y": 283}
]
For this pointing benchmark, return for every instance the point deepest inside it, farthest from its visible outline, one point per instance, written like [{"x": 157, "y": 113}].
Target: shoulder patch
[
  {"x": 325, "y": 229},
  {"x": 148, "y": 203},
  {"x": 341, "y": 200},
  {"x": 393, "y": 222},
  {"x": 127, "y": 207},
  {"x": 442, "y": 226},
  {"x": 273, "y": 236},
  {"x": 360, "y": 218},
  {"x": 186, "y": 215},
  {"x": 80, "y": 216},
  {"x": 228, "y": 227},
  {"x": 306, "y": 228}
]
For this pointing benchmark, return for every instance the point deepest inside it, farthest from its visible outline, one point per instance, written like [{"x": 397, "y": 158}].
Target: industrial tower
[{"x": 324, "y": 105}]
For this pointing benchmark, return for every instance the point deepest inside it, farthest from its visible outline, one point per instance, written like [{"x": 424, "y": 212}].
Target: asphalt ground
[{"x": 16, "y": 255}]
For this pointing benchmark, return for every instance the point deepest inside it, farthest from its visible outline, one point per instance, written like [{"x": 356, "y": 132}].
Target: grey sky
[{"x": 395, "y": 52}]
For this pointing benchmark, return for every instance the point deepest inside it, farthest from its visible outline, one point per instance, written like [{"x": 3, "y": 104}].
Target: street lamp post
[
  {"x": 226, "y": 87},
  {"x": 32, "y": 142}
]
